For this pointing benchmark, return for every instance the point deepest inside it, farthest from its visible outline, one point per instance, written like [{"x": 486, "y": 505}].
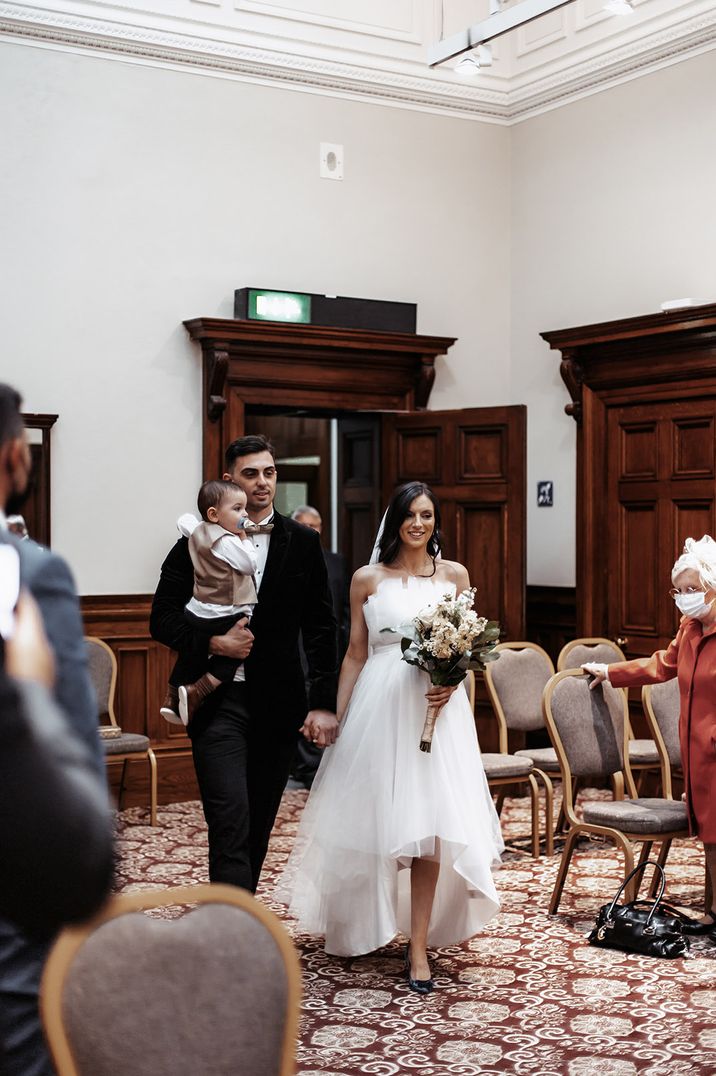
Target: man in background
[
  {"x": 48, "y": 579},
  {"x": 308, "y": 756}
]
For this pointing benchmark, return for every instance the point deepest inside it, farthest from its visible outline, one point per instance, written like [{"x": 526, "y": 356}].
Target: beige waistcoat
[{"x": 215, "y": 581}]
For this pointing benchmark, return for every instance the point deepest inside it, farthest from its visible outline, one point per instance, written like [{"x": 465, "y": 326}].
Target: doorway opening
[{"x": 332, "y": 462}]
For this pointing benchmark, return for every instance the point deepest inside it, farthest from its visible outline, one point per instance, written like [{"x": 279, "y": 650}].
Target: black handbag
[{"x": 649, "y": 927}]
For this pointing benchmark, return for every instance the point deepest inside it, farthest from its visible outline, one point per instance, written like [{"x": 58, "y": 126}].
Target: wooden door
[
  {"x": 475, "y": 461},
  {"x": 661, "y": 471},
  {"x": 359, "y": 487}
]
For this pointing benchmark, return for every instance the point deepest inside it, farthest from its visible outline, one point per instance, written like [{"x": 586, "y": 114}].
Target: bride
[{"x": 394, "y": 839}]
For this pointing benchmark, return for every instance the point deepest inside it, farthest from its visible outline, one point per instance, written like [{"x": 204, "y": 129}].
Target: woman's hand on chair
[{"x": 598, "y": 671}]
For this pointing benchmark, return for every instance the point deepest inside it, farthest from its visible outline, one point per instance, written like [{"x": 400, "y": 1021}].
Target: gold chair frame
[
  {"x": 622, "y": 780},
  {"x": 503, "y": 733},
  {"x": 71, "y": 940},
  {"x": 530, "y": 779},
  {"x": 639, "y": 768},
  {"x": 125, "y": 757}
]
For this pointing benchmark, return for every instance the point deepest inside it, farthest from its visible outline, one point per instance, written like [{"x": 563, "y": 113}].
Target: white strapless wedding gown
[{"x": 378, "y": 800}]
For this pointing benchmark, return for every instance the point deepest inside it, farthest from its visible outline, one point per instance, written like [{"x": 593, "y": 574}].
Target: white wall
[
  {"x": 135, "y": 197},
  {"x": 612, "y": 213}
]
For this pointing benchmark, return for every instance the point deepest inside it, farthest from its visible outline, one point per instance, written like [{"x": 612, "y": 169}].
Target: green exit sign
[{"x": 290, "y": 306}]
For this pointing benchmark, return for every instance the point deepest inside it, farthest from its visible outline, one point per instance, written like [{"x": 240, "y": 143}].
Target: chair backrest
[
  {"x": 215, "y": 990},
  {"x": 515, "y": 683},
  {"x": 579, "y": 651},
  {"x": 103, "y": 674},
  {"x": 662, "y": 703},
  {"x": 588, "y": 728}
]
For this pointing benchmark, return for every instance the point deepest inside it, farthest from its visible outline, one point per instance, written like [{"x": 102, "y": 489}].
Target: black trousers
[
  {"x": 242, "y": 761},
  {"x": 186, "y": 671}
]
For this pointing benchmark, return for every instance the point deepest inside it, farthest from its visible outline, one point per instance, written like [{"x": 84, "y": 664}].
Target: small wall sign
[{"x": 545, "y": 494}]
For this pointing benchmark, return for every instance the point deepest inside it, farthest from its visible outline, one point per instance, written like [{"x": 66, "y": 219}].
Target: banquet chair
[
  {"x": 643, "y": 754},
  {"x": 214, "y": 990},
  {"x": 118, "y": 746},
  {"x": 515, "y": 684},
  {"x": 503, "y": 769},
  {"x": 589, "y": 730},
  {"x": 661, "y": 705}
]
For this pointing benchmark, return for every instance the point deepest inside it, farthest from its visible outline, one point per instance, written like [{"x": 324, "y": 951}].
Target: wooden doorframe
[
  {"x": 663, "y": 356},
  {"x": 305, "y": 366}
]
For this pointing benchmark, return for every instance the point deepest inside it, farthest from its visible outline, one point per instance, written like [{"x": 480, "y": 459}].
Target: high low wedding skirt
[{"x": 378, "y": 801}]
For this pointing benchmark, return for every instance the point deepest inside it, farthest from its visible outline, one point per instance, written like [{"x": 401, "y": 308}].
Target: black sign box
[{"x": 344, "y": 312}]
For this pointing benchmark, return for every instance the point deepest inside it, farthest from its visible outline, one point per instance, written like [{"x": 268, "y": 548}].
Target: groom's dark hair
[{"x": 247, "y": 446}]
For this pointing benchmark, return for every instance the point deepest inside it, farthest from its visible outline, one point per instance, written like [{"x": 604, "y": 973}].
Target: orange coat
[{"x": 692, "y": 657}]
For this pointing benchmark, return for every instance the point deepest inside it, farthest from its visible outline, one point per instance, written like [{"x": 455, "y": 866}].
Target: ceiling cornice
[{"x": 502, "y": 101}]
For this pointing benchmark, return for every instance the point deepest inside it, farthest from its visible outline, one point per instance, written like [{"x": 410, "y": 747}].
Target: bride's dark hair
[{"x": 398, "y": 512}]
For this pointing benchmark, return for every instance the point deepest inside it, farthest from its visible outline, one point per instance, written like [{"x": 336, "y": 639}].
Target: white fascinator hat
[{"x": 701, "y": 556}]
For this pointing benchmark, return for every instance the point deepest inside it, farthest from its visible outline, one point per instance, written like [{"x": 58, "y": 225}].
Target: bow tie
[{"x": 263, "y": 528}]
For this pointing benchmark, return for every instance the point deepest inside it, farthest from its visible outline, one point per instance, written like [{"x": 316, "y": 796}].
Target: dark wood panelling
[
  {"x": 551, "y": 617},
  {"x": 474, "y": 460},
  {"x": 143, "y": 668},
  {"x": 37, "y": 508},
  {"x": 643, "y": 392}
]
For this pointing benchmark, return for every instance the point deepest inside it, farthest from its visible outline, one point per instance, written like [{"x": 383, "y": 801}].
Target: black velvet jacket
[{"x": 294, "y": 599}]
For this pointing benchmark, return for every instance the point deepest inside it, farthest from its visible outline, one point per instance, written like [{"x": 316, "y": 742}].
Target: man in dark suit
[
  {"x": 308, "y": 757},
  {"x": 243, "y": 735},
  {"x": 49, "y": 581}
]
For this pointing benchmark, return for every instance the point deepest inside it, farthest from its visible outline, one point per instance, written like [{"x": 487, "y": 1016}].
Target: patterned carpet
[{"x": 529, "y": 996}]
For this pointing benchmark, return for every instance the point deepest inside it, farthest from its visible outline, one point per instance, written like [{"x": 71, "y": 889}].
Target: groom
[{"x": 244, "y": 734}]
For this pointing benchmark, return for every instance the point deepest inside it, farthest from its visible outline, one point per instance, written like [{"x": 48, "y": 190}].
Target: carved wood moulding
[
  {"x": 312, "y": 365},
  {"x": 655, "y": 349}
]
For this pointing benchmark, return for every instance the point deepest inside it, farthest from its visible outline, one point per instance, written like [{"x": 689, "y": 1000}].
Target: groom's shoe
[
  {"x": 191, "y": 696},
  {"x": 170, "y": 707}
]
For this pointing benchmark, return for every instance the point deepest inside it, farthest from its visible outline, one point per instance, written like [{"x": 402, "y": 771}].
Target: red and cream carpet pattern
[{"x": 529, "y": 996}]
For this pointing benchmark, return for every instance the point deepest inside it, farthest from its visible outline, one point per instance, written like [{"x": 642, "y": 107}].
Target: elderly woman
[{"x": 692, "y": 657}]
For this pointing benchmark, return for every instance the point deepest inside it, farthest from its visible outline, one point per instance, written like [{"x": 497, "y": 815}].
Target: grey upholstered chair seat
[
  {"x": 638, "y": 815},
  {"x": 213, "y": 991},
  {"x": 545, "y": 758},
  {"x": 497, "y": 765},
  {"x": 643, "y": 752},
  {"x": 125, "y": 744}
]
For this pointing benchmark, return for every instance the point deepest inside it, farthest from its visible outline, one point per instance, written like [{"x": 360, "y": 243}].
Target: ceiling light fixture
[
  {"x": 500, "y": 21},
  {"x": 619, "y": 7},
  {"x": 469, "y": 65}
]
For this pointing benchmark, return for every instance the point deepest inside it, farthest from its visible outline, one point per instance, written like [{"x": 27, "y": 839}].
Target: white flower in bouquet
[{"x": 446, "y": 640}]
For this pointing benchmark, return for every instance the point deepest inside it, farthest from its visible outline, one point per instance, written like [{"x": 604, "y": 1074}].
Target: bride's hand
[{"x": 438, "y": 696}]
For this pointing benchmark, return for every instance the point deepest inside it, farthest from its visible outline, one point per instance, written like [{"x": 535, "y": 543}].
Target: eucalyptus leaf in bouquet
[{"x": 446, "y": 640}]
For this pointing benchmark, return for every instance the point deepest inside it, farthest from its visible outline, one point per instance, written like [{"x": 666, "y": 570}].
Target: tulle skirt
[{"x": 377, "y": 802}]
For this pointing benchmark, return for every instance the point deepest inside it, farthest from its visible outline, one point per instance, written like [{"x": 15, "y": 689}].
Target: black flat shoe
[
  {"x": 693, "y": 927},
  {"x": 420, "y": 986}
]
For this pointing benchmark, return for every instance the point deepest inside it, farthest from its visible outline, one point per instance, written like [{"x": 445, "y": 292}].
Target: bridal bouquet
[{"x": 445, "y": 640}]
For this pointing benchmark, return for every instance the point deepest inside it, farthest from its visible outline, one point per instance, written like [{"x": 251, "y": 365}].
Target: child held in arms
[{"x": 224, "y": 592}]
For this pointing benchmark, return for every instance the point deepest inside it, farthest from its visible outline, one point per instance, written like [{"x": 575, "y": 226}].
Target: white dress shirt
[{"x": 260, "y": 543}]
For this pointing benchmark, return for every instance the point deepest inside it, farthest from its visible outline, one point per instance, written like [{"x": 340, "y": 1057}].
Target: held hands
[
  {"x": 235, "y": 644},
  {"x": 438, "y": 696},
  {"x": 598, "y": 670},
  {"x": 320, "y": 727},
  {"x": 28, "y": 655}
]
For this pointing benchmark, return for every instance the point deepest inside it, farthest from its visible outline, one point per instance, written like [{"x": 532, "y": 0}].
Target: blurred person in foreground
[
  {"x": 690, "y": 656},
  {"x": 48, "y": 580}
]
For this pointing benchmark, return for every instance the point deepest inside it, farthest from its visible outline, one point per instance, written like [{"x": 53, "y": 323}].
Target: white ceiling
[{"x": 377, "y": 49}]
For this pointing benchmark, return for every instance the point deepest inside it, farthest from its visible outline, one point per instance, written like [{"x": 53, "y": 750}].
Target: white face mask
[{"x": 693, "y": 604}]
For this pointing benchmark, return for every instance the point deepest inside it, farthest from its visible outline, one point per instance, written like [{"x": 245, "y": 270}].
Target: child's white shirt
[{"x": 237, "y": 552}]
